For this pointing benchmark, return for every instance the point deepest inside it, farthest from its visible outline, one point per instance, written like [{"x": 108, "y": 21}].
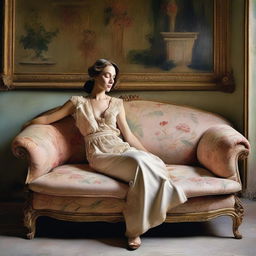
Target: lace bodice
[
  {"x": 101, "y": 134},
  {"x": 86, "y": 120}
]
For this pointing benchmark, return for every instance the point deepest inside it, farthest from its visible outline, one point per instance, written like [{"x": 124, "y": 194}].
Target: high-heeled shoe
[{"x": 134, "y": 243}]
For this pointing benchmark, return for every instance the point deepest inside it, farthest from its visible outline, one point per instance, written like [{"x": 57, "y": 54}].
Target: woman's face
[{"x": 106, "y": 78}]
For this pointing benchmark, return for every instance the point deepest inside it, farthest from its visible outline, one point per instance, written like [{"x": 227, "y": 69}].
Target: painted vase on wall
[{"x": 171, "y": 11}]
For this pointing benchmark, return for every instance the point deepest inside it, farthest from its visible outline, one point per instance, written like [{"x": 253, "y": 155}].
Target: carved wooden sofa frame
[{"x": 31, "y": 215}]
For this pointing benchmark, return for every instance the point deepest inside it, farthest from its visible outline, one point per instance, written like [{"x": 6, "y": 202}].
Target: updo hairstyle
[{"x": 96, "y": 70}]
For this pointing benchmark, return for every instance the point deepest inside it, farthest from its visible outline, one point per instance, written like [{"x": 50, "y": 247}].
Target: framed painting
[{"x": 158, "y": 44}]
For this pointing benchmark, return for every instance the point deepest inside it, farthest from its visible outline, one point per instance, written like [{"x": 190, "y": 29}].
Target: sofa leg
[
  {"x": 30, "y": 217},
  {"x": 30, "y": 222},
  {"x": 237, "y": 218}
]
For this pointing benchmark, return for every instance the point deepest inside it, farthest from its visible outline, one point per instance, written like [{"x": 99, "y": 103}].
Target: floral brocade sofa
[{"x": 200, "y": 149}]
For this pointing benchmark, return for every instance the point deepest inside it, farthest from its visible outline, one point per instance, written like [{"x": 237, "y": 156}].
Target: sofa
[{"x": 201, "y": 151}]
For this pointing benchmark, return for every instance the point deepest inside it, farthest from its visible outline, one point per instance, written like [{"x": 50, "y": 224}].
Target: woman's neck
[{"x": 100, "y": 95}]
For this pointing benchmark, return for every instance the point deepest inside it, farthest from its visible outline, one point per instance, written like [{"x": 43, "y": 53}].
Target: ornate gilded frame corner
[{"x": 221, "y": 78}]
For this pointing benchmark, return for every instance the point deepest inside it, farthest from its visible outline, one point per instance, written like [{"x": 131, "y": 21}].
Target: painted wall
[
  {"x": 251, "y": 186},
  {"x": 16, "y": 107}
]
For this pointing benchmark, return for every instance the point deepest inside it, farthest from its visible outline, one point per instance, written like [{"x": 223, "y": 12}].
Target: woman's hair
[{"x": 96, "y": 70}]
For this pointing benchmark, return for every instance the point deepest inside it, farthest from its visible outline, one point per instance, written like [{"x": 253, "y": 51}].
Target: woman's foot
[{"x": 134, "y": 243}]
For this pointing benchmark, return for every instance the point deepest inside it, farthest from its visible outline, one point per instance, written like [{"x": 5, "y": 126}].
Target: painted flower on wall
[
  {"x": 87, "y": 46},
  {"x": 36, "y": 37},
  {"x": 116, "y": 16},
  {"x": 170, "y": 8},
  {"x": 70, "y": 17}
]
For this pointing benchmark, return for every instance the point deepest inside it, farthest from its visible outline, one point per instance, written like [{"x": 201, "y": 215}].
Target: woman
[{"x": 101, "y": 119}]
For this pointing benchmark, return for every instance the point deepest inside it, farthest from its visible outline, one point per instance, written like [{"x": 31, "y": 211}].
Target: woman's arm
[
  {"x": 126, "y": 131},
  {"x": 53, "y": 115}
]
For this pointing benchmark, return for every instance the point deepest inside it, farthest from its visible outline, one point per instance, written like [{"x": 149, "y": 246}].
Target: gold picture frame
[{"x": 24, "y": 74}]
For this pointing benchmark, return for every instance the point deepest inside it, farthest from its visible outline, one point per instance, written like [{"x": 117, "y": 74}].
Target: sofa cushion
[
  {"x": 81, "y": 180},
  {"x": 78, "y": 180},
  {"x": 196, "y": 181}
]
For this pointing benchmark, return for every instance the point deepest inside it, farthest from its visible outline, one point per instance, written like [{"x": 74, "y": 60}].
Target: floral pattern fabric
[
  {"x": 103, "y": 205},
  {"x": 219, "y": 149},
  {"x": 81, "y": 180},
  {"x": 78, "y": 180},
  {"x": 180, "y": 136},
  {"x": 169, "y": 131}
]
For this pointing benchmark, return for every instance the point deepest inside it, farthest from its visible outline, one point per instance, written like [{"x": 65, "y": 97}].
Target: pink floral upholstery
[
  {"x": 169, "y": 131},
  {"x": 205, "y": 204},
  {"x": 49, "y": 146},
  {"x": 103, "y": 205},
  {"x": 219, "y": 149},
  {"x": 81, "y": 180},
  {"x": 77, "y": 204},
  {"x": 196, "y": 181},
  {"x": 78, "y": 180},
  {"x": 200, "y": 149}
]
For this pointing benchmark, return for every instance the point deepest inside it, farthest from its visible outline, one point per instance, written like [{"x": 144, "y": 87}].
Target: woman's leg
[{"x": 151, "y": 193}]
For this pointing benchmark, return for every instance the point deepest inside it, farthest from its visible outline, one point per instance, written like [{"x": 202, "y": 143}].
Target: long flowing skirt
[{"x": 151, "y": 193}]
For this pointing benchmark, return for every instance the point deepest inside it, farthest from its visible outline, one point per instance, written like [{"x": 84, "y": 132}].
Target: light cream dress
[{"x": 150, "y": 193}]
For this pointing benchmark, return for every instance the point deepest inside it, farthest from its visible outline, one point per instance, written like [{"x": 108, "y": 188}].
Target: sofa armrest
[
  {"x": 43, "y": 148},
  {"x": 219, "y": 149}
]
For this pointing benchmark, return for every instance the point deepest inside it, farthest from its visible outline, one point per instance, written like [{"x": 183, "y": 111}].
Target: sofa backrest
[
  {"x": 172, "y": 132},
  {"x": 169, "y": 131}
]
